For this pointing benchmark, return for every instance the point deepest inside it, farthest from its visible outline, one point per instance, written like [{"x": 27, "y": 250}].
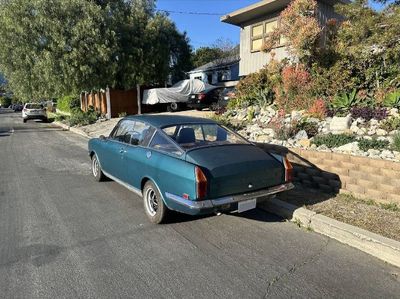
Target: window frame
[{"x": 264, "y": 34}]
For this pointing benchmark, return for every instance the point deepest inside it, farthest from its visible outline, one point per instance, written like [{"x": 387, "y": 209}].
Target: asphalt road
[{"x": 63, "y": 235}]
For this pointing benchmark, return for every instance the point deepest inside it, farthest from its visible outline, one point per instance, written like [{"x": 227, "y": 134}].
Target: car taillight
[
  {"x": 202, "y": 96},
  {"x": 288, "y": 170},
  {"x": 201, "y": 183}
]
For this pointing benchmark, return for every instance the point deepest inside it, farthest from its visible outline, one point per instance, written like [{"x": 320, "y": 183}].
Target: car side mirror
[{"x": 102, "y": 137}]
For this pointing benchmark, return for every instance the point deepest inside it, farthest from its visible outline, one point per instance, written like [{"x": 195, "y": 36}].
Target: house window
[{"x": 259, "y": 33}]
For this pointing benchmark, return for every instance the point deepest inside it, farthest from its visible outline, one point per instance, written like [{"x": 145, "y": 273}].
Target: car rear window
[
  {"x": 34, "y": 106},
  {"x": 202, "y": 135}
]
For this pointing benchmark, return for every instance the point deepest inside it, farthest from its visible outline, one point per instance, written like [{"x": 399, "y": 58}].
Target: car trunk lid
[{"x": 235, "y": 169}]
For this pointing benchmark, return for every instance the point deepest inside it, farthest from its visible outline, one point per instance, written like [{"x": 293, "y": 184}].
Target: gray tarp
[{"x": 177, "y": 93}]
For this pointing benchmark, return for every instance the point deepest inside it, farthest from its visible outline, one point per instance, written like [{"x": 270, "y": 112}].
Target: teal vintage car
[{"x": 187, "y": 164}]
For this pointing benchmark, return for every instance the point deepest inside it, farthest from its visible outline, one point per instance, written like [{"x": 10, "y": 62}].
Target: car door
[
  {"x": 136, "y": 153},
  {"x": 112, "y": 160}
]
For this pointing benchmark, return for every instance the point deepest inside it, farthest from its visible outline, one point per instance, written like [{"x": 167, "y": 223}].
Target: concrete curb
[
  {"x": 383, "y": 248},
  {"x": 71, "y": 129}
]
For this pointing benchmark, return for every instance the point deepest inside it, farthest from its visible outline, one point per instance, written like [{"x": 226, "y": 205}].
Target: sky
[{"x": 204, "y": 30}]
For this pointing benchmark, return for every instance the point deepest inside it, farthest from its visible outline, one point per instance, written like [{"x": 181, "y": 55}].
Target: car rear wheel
[
  {"x": 173, "y": 107},
  {"x": 24, "y": 120},
  {"x": 154, "y": 206},
  {"x": 96, "y": 169}
]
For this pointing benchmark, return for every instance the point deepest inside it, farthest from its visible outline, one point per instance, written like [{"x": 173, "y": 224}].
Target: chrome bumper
[{"x": 215, "y": 203}]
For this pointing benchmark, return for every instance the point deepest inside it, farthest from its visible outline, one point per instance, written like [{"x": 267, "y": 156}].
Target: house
[
  {"x": 218, "y": 71},
  {"x": 257, "y": 21}
]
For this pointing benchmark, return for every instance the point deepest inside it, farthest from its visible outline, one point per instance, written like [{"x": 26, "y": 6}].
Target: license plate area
[{"x": 247, "y": 205}]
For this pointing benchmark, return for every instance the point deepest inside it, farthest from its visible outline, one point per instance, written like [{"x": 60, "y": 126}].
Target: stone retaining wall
[{"x": 331, "y": 172}]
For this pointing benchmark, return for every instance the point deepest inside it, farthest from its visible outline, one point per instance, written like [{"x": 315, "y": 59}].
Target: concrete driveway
[{"x": 62, "y": 235}]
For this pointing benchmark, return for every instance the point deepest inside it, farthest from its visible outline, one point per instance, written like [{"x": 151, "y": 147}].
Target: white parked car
[{"x": 34, "y": 111}]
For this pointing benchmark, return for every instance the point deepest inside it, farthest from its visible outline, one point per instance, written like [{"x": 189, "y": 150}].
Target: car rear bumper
[
  {"x": 33, "y": 116},
  {"x": 225, "y": 203},
  {"x": 197, "y": 105}
]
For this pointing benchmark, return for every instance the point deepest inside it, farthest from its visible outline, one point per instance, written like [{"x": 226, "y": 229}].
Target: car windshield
[
  {"x": 191, "y": 136},
  {"x": 34, "y": 106}
]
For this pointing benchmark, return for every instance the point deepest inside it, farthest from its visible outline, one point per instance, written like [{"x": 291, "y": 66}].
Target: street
[{"x": 63, "y": 235}]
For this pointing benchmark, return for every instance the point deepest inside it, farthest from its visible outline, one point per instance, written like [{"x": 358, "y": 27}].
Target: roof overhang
[{"x": 261, "y": 9}]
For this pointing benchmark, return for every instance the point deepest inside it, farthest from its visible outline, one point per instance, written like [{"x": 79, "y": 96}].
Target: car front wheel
[
  {"x": 154, "y": 206},
  {"x": 96, "y": 169}
]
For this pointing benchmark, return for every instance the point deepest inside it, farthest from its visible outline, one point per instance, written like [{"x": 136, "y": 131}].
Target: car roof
[{"x": 160, "y": 121}]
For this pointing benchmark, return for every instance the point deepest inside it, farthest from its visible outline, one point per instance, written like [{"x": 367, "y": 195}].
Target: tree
[
  {"x": 53, "y": 47},
  {"x": 218, "y": 51},
  {"x": 205, "y": 55},
  {"x": 364, "y": 52}
]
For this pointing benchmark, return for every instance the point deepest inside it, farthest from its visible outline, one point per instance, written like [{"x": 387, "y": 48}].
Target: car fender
[{"x": 150, "y": 178}]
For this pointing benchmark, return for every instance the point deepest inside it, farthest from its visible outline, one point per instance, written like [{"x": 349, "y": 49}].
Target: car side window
[
  {"x": 161, "y": 142},
  {"x": 141, "y": 134},
  {"x": 121, "y": 133}
]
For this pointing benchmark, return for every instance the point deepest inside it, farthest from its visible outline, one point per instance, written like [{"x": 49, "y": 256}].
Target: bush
[
  {"x": 5, "y": 102},
  {"x": 396, "y": 142},
  {"x": 369, "y": 113},
  {"x": 392, "y": 99},
  {"x": 80, "y": 118},
  {"x": 255, "y": 89},
  {"x": 67, "y": 103},
  {"x": 345, "y": 101},
  {"x": 366, "y": 144},
  {"x": 310, "y": 127},
  {"x": 318, "y": 109},
  {"x": 391, "y": 124},
  {"x": 294, "y": 92},
  {"x": 60, "y": 117},
  {"x": 331, "y": 140}
]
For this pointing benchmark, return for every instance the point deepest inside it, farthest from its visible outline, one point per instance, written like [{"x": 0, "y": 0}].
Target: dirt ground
[{"x": 367, "y": 214}]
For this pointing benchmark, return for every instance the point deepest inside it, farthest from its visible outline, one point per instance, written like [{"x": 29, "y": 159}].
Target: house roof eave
[{"x": 261, "y": 8}]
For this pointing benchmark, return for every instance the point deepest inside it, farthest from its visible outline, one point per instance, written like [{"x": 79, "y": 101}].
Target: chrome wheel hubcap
[
  {"x": 151, "y": 202},
  {"x": 95, "y": 166}
]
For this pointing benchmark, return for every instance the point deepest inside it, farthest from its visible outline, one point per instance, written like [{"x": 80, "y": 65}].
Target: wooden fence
[{"x": 112, "y": 102}]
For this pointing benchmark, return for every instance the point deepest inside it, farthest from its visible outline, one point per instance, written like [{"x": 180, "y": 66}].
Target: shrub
[
  {"x": 396, "y": 142},
  {"x": 293, "y": 93},
  {"x": 392, "y": 99},
  {"x": 122, "y": 114},
  {"x": 60, "y": 117},
  {"x": 5, "y": 102},
  {"x": 331, "y": 140},
  {"x": 369, "y": 113},
  {"x": 310, "y": 127},
  {"x": 318, "y": 109},
  {"x": 255, "y": 89},
  {"x": 345, "y": 101},
  {"x": 391, "y": 124},
  {"x": 67, "y": 103},
  {"x": 366, "y": 144},
  {"x": 81, "y": 118}
]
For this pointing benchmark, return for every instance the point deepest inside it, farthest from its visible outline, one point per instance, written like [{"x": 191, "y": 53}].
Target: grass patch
[{"x": 390, "y": 207}]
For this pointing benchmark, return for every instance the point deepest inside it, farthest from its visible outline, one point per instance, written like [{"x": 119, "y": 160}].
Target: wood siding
[{"x": 251, "y": 62}]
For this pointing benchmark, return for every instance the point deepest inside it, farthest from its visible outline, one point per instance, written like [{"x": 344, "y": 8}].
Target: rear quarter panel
[{"x": 171, "y": 174}]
